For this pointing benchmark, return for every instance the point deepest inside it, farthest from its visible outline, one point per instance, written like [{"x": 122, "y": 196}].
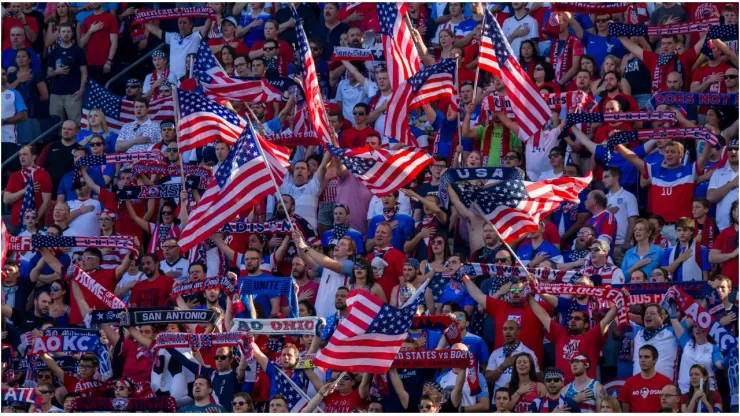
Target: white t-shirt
[
  {"x": 87, "y": 223},
  {"x": 497, "y": 358},
  {"x": 181, "y": 265},
  {"x": 720, "y": 177},
  {"x": 350, "y": 96},
  {"x": 306, "y": 197},
  {"x": 330, "y": 282},
  {"x": 447, "y": 381},
  {"x": 537, "y": 158},
  {"x": 666, "y": 344},
  {"x": 627, "y": 204},
  {"x": 181, "y": 47},
  {"x": 376, "y": 206},
  {"x": 511, "y": 24},
  {"x": 12, "y": 103},
  {"x": 148, "y": 81},
  {"x": 550, "y": 174}
]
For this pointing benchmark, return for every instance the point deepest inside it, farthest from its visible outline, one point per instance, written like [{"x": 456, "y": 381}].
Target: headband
[
  {"x": 434, "y": 384},
  {"x": 109, "y": 213},
  {"x": 554, "y": 373},
  {"x": 413, "y": 263},
  {"x": 159, "y": 53}
]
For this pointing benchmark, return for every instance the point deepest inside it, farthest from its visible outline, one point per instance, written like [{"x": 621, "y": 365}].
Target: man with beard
[
  {"x": 582, "y": 248},
  {"x": 584, "y": 390},
  {"x": 491, "y": 246},
  {"x": 411, "y": 275},
  {"x": 202, "y": 391},
  {"x": 17, "y": 183},
  {"x": 288, "y": 359},
  {"x": 512, "y": 307},
  {"x": 305, "y": 192},
  {"x": 24, "y": 321},
  {"x": 577, "y": 337},
  {"x": 341, "y": 229},
  {"x": 91, "y": 259},
  {"x": 330, "y": 30},
  {"x": 554, "y": 401},
  {"x": 155, "y": 289},
  {"x": 654, "y": 334},
  {"x": 265, "y": 304},
  {"x": 611, "y": 85},
  {"x": 307, "y": 288},
  {"x": 15, "y": 289},
  {"x": 501, "y": 361},
  {"x": 57, "y": 158}
]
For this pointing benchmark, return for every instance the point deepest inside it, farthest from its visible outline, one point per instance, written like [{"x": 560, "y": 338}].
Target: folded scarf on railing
[
  {"x": 695, "y": 98},
  {"x": 309, "y": 325},
  {"x": 623, "y": 29},
  {"x": 148, "y": 405},
  {"x": 267, "y": 227}
]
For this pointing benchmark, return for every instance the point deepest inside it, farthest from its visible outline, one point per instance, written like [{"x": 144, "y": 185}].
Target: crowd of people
[{"x": 657, "y": 212}]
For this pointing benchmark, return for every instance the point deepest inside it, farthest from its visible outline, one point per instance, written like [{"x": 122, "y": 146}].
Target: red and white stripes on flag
[
  {"x": 400, "y": 51},
  {"x": 202, "y": 121},
  {"x": 159, "y": 110},
  {"x": 314, "y": 99},
  {"x": 530, "y": 109},
  {"x": 437, "y": 86}
]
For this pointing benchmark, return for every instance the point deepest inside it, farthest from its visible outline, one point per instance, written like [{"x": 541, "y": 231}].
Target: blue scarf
[
  {"x": 695, "y": 98},
  {"x": 100, "y": 350},
  {"x": 272, "y": 286}
]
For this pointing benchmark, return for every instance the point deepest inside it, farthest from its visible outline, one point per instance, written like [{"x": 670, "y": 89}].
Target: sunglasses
[
  {"x": 730, "y": 76},
  {"x": 576, "y": 318},
  {"x": 221, "y": 357},
  {"x": 96, "y": 144},
  {"x": 512, "y": 157},
  {"x": 55, "y": 288},
  {"x": 552, "y": 380},
  {"x": 166, "y": 212},
  {"x": 516, "y": 289},
  {"x": 235, "y": 403},
  {"x": 268, "y": 49},
  {"x": 595, "y": 250},
  {"x": 45, "y": 391},
  {"x": 438, "y": 242},
  {"x": 425, "y": 406},
  {"x": 346, "y": 378},
  {"x": 503, "y": 260},
  {"x": 460, "y": 316}
]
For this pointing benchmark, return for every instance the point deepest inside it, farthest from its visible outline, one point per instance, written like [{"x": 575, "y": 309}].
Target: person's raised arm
[
  {"x": 51, "y": 260},
  {"x": 430, "y": 113},
  {"x": 467, "y": 131},
  {"x": 52, "y": 365},
  {"x": 631, "y": 46},
  {"x": 260, "y": 357},
  {"x": 608, "y": 319},
  {"x": 474, "y": 291},
  {"x": 126, "y": 262},
  {"x": 315, "y": 256},
  {"x": 703, "y": 159},
  {"x": 321, "y": 171},
  {"x": 80, "y": 298},
  {"x": 577, "y": 28},
  {"x": 397, "y": 383},
  {"x": 727, "y": 51},
  {"x": 508, "y": 123},
  {"x": 205, "y": 28},
  {"x": 461, "y": 208},
  {"x": 541, "y": 313},
  {"x": 631, "y": 157},
  {"x": 154, "y": 30},
  {"x": 358, "y": 75},
  {"x": 112, "y": 335},
  {"x": 584, "y": 140},
  {"x": 456, "y": 395},
  {"x": 135, "y": 218}
]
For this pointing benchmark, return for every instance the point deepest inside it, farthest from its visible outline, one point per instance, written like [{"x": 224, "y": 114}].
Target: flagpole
[
  {"x": 459, "y": 108},
  {"x": 177, "y": 137},
  {"x": 267, "y": 165},
  {"x": 298, "y": 389},
  {"x": 477, "y": 67},
  {"x": 512, "y": 251}
]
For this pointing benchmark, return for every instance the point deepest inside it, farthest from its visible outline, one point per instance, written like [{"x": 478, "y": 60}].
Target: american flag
[
  {"x": 29, "y": 201},
  {"x": 429, "y": 84},
  {"x": 203, "y": 121},
  {"x": 114, "y": 241},
  {"x": 218, "y": 84},
  {"x": 316, "y": 110},
  {"x": 578, "y": 118},
  {"x": 241, "y": 182},
  {"x": 369, "y": 338},
  {"x": 118, "y": 110},
  {"x": 381, "y": 170},
  {"x": 623, "y": 29},
  {"x": 402, "y": 57},
  {"x": 530, "y": 109},
  {"x": 296, "y": 400},
  {"x": 516, "y": 206}
]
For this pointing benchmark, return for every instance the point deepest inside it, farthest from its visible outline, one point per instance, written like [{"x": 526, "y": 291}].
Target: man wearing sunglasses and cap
[{"x": 553, "y": 401}]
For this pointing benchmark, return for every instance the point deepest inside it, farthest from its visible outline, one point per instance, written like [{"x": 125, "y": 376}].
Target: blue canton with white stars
[
  {"x": 387, "y": 13},
  {"x": 302, "y": 51},
  {"x": 190, "y": 102},
  {"x": 91, "y": 160},
  {"x": 394, "y": 321},
  {"x": 284, "y": 387},
  {"x": 204, "y": 61},
  {"x": 508, "y": 193},
  {"x": 356, "y": 164},
  {"x": 53, "y": 241},
  {"x": 29, "y": 202},
  {"x": 243, "y": 151},
  {"x": 500, "y": 45},
  {"x": 417, "y": 81},
  {"x": 98, "y": 97}
]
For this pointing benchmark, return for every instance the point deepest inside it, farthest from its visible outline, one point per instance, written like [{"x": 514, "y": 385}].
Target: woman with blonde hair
[
  {"x": 644, "y": 255},
  {"x": 611, "y": 63},
  {"x": 609, "y": 404},
  {"x": 96, "y": 125}
]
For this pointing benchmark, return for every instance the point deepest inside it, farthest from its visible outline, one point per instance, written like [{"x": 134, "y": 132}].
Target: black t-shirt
[
  {"x": 38, "y": 45},
  {"x": 27, "y": 321},
  {"x": 309, "y": 12},
  {"x": 639, "y": 77},
  {"x": 59, "y": 160},
  {"x": 330, "y": 38},
  {"x": 72, "y": 57}
]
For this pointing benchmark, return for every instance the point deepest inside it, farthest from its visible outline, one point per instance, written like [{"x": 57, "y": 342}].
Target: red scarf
[
  {"x": 560, "y": 61},
  {"x": 155, "y": 77},
  {"x": 708, "y": 232},
  {"x": 28, "y": 173}
]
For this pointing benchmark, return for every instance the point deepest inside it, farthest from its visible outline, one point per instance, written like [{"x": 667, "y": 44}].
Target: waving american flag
[
  {"x": 429, "y": 84},
  {"x": 241, "y": 182},
  {"x": 296, "y": 400},
  {"x": 530, "y": 109},
  {"x": 381, "y": 170},
  {"x": 118, "y": 110},
  {"x": 218, "y": 84},
  {"x": 369, "y": 338},
  {"x": 400, "y": 50},
  {"x": 203, "y": 121}
]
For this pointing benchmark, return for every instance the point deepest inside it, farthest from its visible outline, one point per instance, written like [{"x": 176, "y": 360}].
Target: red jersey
[
  {"x": 18, "y": 182},
  {"x": 11, "y": 22},
  {"x": 395, "y": 259},
  {"x": 605, "y": 225},
  {"x": 706, "y": 71},
  {"x": 672, "y": 190},
  {"x": 352, "y": 137},
  {"x": 643, "y": 395},
  {"x": 727, "y": 242},
  {"x": 336, "y": 402},
  {"x": 633, "y": 103},
  {"x": 568, "y": 345},
  {"x": 239, "y": 47},
  {"x": 124, "y": 224},
  {"x": 86, "y": 388},
  {"x": 107, "y": 278},
  {"x": 562, "y": 54},
  {"x": 139, "y": 361},
  {"x": 155, "y": 293},
  {"x": 99, "y": 43},
  {"x": 502, "y": 311}
]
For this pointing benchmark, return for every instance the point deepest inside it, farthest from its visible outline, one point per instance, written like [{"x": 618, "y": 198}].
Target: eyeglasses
[
  {"x": 554, "y": 155},
  {"x": 460, "y": 316},
  {"x": 438, "y": 242},
  {"x": 359, "y": 113},
  {"x": 96, "y": 144},
  {"x": 576, "y": 318},
  {"x": 55, "y": 288},
  {"x": 221, "y": 357},
  {"x": 268, "y": 49},
  {"x": 346, "y": 378},
  {"x": 730, "y": 76},
  {"x": 235, "y": 403},
  {"x": 516, "y": 289},
  {"x": 503, "y": 260},
  {"x": 552, "y": 380},
  {"x": 732, "y": 149},
  {"x": 89, "y": 257},
  {"x": 511, "y": 157},
  {"x": 426, "y": 406},
  {"x": 105, "y": 219},
  {"x": 539, "y": 68},
  {"x": 438, "y": 166},
  {"x": 45, "y": 391},
  {"x": 171, "y": 150}
]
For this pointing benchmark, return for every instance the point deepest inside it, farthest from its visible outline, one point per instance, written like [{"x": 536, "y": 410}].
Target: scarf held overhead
[
  {"x": 623, "y": 29},
  {"x": 188, "y": 340},
  {"x": 88, "y": 283},
  {"x": 695, "y": 98},
  {"x": 148, "y": 405},
  {"x": 432, "y": 359},
  {"x": 605, "y": 293},
  {"x": 226, "y": 283},
  {"x": 272, "y": 286},
  {"x": 149, "y": 168},
  {"x": 577, "y": 118},
  {"x": 175, "y": 13},
  {"x": 171, "y": 190},
  {"x": 269, "y": 227},
  {"x": 156, "y": 317},
  {"x": 308, "y": 325},
  {"x": 114, "y": 241},
  {"x": 591, "y": 8},
  {"x": 99, "y": 349}
]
